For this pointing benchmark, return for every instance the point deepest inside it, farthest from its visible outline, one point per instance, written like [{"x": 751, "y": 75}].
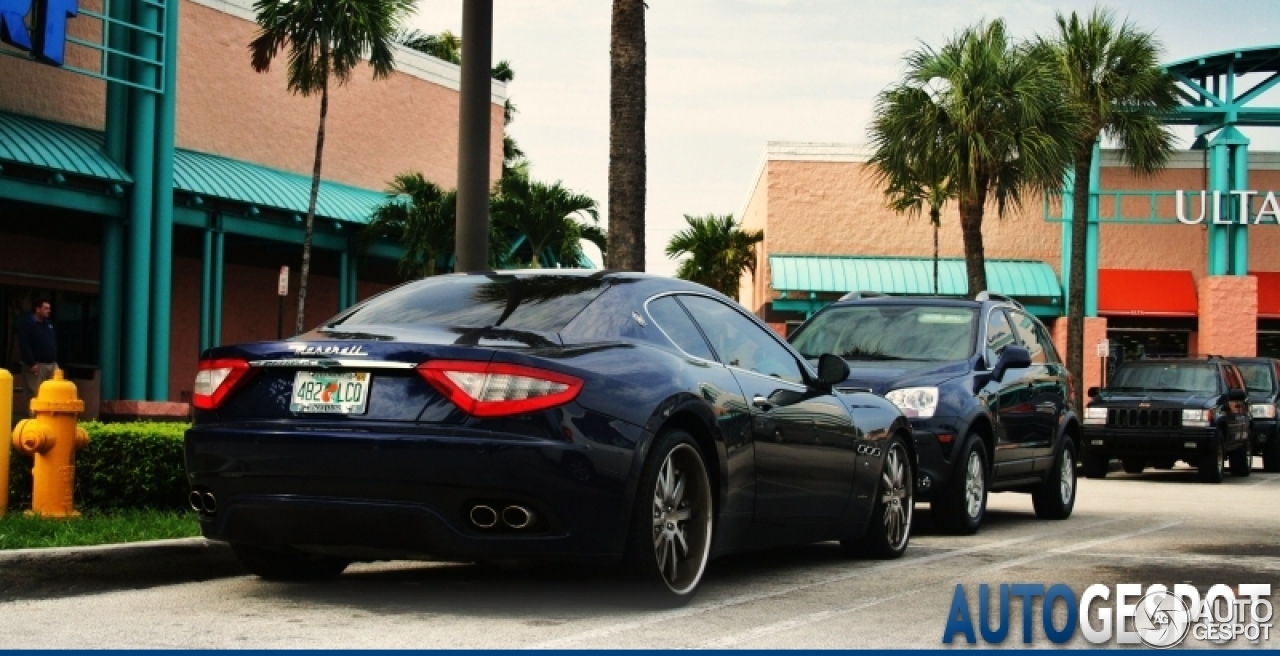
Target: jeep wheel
[
  {"x": 958, "y": 509},
  {"x": 1133, "y": 465},
  {"x": 1242, "y": 461},
  {"x": 1271, "y": 455},
  {"x": 1095, "y": 465},
  {"x": 287, "y": 565},
  {"x": 1211, "y": 464},
  {"x": 1057, "y": 496}
]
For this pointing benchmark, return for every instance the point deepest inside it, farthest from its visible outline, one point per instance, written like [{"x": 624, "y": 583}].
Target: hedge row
[{"x": 126, "y": 465}]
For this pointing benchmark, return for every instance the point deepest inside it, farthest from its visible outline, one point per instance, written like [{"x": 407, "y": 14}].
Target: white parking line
[
  {"x": 803, "y": 620},
  {"x": 606, "y": 631}
]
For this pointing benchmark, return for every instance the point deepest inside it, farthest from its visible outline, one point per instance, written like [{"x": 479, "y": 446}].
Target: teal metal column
[
  {"x": 109, "y": 297},
  {"x": 353, "y": 283},
  {"x": 162, "y": 265},
  {"x": 1091, "y": 235},
  {"x": 117, "y": 114},
  {"x": 142, "y": 129},
  {"x": 1219, "y": 186},
  {"x": 215, "y": 316},
  {"x": 1068, "y": 201},
  {"x": 206, "y": 282},
  {"x": 344, "y": 280},
  {"x": 1240, "y": 229}
]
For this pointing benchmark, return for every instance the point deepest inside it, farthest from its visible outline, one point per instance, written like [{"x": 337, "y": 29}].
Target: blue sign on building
[{"x": 47, "y": 38}]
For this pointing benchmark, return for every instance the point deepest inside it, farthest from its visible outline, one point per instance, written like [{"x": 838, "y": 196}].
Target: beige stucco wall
[{"x": 375, "y": 129}]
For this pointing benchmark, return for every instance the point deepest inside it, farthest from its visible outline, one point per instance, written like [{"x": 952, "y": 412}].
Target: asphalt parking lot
[{"x": 1159, "y": 527}]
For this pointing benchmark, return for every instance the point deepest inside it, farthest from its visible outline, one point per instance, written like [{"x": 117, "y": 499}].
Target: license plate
[{"x": 344, "y": 393}]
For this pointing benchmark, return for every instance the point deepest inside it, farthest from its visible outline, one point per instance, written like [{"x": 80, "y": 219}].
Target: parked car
[
  {"x": 541, "y": 415},
  {"x": 1155, "y": 412},
  {"x": 983, "y": 387},
  {"x": 1262, "y": 380}
]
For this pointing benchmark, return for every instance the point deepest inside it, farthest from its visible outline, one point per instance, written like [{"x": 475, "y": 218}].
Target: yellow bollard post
[
  {"x": 6, "y": 425},
  {"x": 53, "y": 438}
]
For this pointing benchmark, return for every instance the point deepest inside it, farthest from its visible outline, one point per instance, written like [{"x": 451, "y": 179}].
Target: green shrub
[{"x": 126, "y": 465}]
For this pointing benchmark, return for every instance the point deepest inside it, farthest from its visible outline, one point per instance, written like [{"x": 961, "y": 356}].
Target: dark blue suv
[{"x": 986, "y": 393}]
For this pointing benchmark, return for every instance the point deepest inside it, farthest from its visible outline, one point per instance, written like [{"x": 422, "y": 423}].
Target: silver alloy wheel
[
  {"x": 1067, "y": 484},
  {"x": 896, "y": 497},
  {"x": 1221, "y": 458},
  {"x": 974, "y": 485},
  {"x": 682, "y": 519}
]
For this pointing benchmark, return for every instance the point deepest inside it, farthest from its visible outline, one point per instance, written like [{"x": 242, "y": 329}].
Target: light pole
[{"x": 472, "y": 252}]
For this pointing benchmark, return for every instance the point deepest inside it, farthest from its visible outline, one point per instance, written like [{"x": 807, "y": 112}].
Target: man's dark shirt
[{"x": 36, "y": 341}]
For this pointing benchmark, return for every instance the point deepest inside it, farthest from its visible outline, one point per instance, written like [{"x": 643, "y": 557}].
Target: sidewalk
[{"x": 74, "y": 571}]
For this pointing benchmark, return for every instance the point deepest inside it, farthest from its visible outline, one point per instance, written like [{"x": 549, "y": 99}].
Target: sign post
[
  {"x": 1103, "y": 353},
  {"x": 282, "y": 290}
]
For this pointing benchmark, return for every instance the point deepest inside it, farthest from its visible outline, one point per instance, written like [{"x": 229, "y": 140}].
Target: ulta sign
[
  {"x": 47, "y": 38},
  {"x": 1270, "y": 207}
]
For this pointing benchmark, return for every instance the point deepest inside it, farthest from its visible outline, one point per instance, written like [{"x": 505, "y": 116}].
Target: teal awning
[
  {"x": 798, "y": 276},
  {"x": 72, "y": 150}
]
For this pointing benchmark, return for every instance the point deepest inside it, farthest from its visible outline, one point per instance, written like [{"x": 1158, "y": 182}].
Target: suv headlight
[
  {"x": 915, "y": 402},
  {"x": 1263, "y": 411},
  {"x": 1095, "y": 416},
  {"x": 1197, "y": 418}
]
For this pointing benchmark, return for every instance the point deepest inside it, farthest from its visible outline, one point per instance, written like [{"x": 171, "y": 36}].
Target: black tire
[
  {"x": 1211, "y": 464},
  {"x": 1095, "y": 465},
  {"x": 1271, "y": 455},
  {"x": 1133, "y": 465},
  {"x": 288, "y": 565},
  {"x": 1242, "y": 461},
  {"x": 674, "y": 482},
  {"x": 958, "y": 509},
  {"x": 889, "y": 529},
  {"x": 1164, "y": 464},
  {"x": 1056, "y": 497}
]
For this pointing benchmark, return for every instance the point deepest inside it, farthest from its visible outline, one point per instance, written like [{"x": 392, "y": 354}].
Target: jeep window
[
  {"x": 1026, "y": 327},
  {"x": 1233, "y": 377},
  {"x": 1257, "y": 375},
  {"x": 999, "y": 335},
  {"x": 890, "y": 332},
  {"x": 1166, "y": 377}
]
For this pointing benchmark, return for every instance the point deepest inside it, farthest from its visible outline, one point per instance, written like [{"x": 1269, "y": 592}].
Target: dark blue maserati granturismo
[{"x": 601, "y": 416}]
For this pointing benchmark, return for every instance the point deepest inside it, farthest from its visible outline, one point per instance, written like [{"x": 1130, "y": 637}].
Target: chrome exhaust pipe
[
  {"x": 196, "y": 501},
  {"x": 517, "y": 516},
  {"x": 483, "y": 516},
  {"x": 210, "y": 503}
]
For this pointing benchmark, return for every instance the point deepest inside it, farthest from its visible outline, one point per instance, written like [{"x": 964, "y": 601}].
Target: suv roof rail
[
  {"x": 853, "y": 296},
  {"x": 992, "y": 296}
]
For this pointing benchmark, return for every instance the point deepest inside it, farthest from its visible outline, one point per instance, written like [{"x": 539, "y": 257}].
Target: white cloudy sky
[{"x": 725, "y": 77}]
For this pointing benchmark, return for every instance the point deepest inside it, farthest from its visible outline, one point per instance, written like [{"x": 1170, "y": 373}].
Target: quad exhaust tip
[
  {"x": 202, "y": 502},
  {"x": 484, "y": 516},
  {"x": 517, "y": 516}
]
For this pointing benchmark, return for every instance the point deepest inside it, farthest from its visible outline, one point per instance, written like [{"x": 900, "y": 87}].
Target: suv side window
[
  {"x": 739, "y": 342},
  {"x": 1026, "y": 328},
  {"x": 677, "y": 325},
  {"x": 1233, "y": 377},
  {"x": 999, "y": 334}
]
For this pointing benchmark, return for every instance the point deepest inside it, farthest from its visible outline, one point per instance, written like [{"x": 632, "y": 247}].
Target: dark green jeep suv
[{"x": 1156, "y": 412}]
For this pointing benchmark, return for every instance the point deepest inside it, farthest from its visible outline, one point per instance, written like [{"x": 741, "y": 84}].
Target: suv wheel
[
  {"x": 1211, "y": 464},
  {"x": 1133, "y": 465},
  {"x": 1271, "y": 455},
  {"x": 1242, "y": 461},
  {"x": 890, "y": 528},
  {"x": 960, "y": 507},
  {"x": 287, "y": 565},
  {"x": 1095, "y": 465},
  {"x": 1056, "y": 497}
]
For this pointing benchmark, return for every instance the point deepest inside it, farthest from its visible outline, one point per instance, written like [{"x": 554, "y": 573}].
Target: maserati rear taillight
[
  {"x": 495, "y": 389},
  {"x": 215, "y": 379}
]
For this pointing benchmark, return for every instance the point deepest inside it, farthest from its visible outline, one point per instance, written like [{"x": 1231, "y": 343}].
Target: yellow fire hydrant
[{"x": 53, "y": 438}]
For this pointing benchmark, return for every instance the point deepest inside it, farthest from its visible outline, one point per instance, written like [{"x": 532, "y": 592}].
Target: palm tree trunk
[
  {"x": 300, "y": 323},
  {"x": 626, "y": 136},
  {"x": 935, "y": 217},
  {"x": 1075, "y": 284},
  {"x": 974, "y": 255}
]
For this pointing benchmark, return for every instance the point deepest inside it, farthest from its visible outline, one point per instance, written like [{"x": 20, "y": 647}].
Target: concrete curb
[{"x": 53, "y": 552}]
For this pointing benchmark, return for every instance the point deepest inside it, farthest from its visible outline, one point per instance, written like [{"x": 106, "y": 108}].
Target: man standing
[{"x": 38, "y": 346}]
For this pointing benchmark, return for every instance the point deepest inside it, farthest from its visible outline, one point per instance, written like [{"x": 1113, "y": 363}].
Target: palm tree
[
  {"x": 998, "y": 115},
  {"x": 718, "y": 249},
  {"x": 326, "y": 40},
  {"x": 422, "y": 216},
  {"x": 1111, "y": 73},
  {"x": 547, "y": 215},
  {"x": 626, "y": 136},
  {"x": 923, "y": 181},
  {"x": 445, "y": 46}
]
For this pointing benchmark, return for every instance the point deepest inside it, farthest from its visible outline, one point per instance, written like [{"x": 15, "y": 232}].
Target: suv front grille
[{"x": 1144, "y": 418}]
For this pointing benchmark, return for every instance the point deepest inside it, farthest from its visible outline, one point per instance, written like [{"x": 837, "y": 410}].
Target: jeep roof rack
[
  {"x": 853, "y": 296},
  {"x": 992, "y": 296}
]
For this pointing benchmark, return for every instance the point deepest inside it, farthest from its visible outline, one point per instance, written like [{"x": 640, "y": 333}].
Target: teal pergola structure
[{"x": 1217, "y": 104}]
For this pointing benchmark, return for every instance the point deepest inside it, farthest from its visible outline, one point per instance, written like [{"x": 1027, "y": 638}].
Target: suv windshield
[
  {"x": 1166, "y": 377},
  {"x": 1257, "y": 376},
  {"x": 890, "y": 332}
]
